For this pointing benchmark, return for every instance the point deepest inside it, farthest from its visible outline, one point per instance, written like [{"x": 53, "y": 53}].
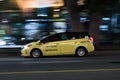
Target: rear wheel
[
  {"x": 81, "y": 52},
  {"x": 36, "y": 53}
]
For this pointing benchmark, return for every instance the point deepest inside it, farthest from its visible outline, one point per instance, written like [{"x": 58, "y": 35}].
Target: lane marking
[
  {"x": 38, "y": 62},
  {"x": 14, "y": 59},
  {"x": 60, "y": 71}
]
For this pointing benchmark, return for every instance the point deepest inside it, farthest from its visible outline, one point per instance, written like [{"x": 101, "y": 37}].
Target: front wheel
[
  {"x": 81, "y": 52},
  {"x": 36, "y": 53}
]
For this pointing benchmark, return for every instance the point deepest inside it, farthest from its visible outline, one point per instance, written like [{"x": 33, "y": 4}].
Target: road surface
[{"x": 94, "y": 67}]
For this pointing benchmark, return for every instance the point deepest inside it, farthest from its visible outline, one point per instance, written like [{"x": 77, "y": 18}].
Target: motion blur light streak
[
  {"x": 28, "y": 5},
  {"x": 2, "y": 43}
]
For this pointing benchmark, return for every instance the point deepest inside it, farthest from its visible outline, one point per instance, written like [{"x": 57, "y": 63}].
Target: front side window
[{"x": 51, "y": 39}]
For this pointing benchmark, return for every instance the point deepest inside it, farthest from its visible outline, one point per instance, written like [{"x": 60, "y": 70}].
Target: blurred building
[
  {"x": 101, "y": 21},
  {"x": 23, "y": 21},
  {"x": 30, "y": 20}
]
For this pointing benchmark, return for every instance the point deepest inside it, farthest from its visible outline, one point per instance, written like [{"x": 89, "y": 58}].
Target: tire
[
  {"x": 36, "y": 53},
  {"x": 81, "y": 52}
]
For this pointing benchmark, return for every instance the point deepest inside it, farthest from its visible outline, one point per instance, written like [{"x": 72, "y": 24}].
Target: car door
[
  {"x": 67, "y": 44},
  {"x": 51, "y": 46}
]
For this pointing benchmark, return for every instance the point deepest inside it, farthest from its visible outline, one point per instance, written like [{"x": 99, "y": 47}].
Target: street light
[{"x": 81, "y": 2}]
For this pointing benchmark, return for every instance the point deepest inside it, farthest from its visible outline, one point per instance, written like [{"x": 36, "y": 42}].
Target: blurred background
[{"x": 23, "y": 21}]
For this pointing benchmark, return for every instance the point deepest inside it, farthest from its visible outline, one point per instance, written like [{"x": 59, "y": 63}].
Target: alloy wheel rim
[
  {"x": 81, "y": 52},
  {"x": 36, "y": 53}
]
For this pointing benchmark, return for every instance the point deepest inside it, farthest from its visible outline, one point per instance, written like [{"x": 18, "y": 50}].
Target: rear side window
[
  {"x": 84, "y": 35},
  {"x": 75, "y": 36},
  {"x": 87, "y": 37},
  {"x": 68, "y": 36},
  {"x": 65, "y": 36}
]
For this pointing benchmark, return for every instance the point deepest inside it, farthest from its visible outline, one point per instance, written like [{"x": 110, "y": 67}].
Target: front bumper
[{"x": 25, "y": 53}]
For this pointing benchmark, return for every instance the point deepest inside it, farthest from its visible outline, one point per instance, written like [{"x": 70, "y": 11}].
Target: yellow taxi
[{"x": 65, "y": 43}]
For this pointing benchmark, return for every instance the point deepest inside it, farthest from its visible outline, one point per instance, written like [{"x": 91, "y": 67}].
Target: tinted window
[
  {"x": 68, "y": 36},
  {"x": 75, "y": 35},
  {"x": 83, "y": 35},
  {"x": 65, "y": 37},
  {"x": 51, "y": 39}
]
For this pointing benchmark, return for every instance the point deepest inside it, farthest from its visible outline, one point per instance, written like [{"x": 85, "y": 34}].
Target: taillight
[{"x": 91, "y": 39}]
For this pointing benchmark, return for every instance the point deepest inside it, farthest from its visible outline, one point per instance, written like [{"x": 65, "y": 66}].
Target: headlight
[{"x": 26, "y": 46}]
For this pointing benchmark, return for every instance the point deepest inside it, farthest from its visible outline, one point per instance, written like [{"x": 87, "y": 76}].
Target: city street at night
[
  {"x": 101, "y": 65},
  {"x": 55, "y": 39}
]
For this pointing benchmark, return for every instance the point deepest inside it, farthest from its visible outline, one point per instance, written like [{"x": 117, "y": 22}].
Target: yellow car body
[{"x": 51, "y": 46}]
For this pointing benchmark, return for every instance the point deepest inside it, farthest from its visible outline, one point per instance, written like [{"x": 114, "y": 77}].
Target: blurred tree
[
  {"x": 97, "y": 9},
  {"x": 74, "y": 17},
  {"x": 98, "y": 5}
]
